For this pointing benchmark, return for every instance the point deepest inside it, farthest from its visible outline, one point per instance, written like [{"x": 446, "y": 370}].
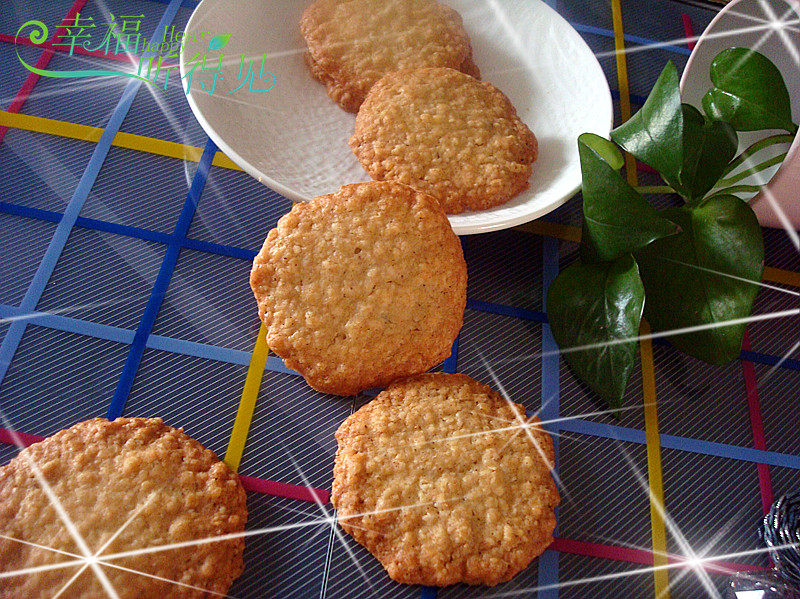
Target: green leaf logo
[{"x": 219, "y": 41}]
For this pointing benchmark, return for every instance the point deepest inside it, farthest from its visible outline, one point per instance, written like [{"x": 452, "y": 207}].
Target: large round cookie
[
  {"x": 135, "y": 477},
  {"x": 362, "y": 286},
  {"x": 447, "y": 134},
  {"x": 436, "y": 478},
  {"x": 353, "y": 43}
]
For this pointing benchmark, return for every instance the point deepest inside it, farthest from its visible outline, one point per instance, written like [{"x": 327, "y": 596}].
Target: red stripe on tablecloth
[
  {"x": 641, "y": 556},
  {"x": 44, "y": 60},
  {"x": 24, "y": 41},
  {"x": 757, "y": 425},
  {"x": 599, "y": 550},
  {"x": 7, "y": 437},
  {"x": 620, "y": 554},
  {"x": 251, "y": 483},
  {"x": 271, "y": 487},
  {"x": 689, "y": 30}
]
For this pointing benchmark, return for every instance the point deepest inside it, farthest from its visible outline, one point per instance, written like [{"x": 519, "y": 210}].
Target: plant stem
[
  {"x": 656, "y": 189},
  {"x": 753, "y": 170},
  {"x": 757, "y": 147},
  {"x": 734, "y": 189}
]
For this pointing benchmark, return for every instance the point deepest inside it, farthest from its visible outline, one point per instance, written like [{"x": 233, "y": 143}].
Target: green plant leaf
[
  {"x": 749, "y": 92},
  {"x": 599, "y": 306},
  {"x": 703, "y": 275},
  {"x": 606, "y": 149},
  {"x": 708, "y": 148},
  {"x": 616, "y": 219},
  {"x": 654, "y": 134},
  {"x": 219, "y": 41}
]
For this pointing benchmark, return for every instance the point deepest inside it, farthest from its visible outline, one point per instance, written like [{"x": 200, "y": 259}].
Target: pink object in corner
[{"x": 751, "y": 24}]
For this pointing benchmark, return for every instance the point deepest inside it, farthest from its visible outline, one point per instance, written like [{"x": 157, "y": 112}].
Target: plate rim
[{"x": 459, "y": 229}]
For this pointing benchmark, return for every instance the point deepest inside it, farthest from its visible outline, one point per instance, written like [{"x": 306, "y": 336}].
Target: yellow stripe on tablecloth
[
  {"x": 548, "y": 229},
  {"x": 130, "y": 141},
  {"x": 247, "y": 404},
  {"x": 778, "y": 275},
  {"x": 654, "y": 473},
  {"x": 573, "y": 234},
  {"x": 622, "y": 78},
  {"x": 170, "y": 149}
]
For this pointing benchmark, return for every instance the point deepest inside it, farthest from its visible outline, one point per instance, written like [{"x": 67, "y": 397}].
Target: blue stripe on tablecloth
[
  {"x": 127, "y": 231},
  {"x": 185, "y": 3},
  {"x": 222, "y": 250},
  {"x": 711, "y": 448},
  {"x": 642, "y": 41},
  {"x": 275, "y": 364},
  {"x": 550, "y": 410},
  {"x": 64, "y": 323},
  {"x": 504, "y": 310},
  {"x": 150, "y": 313},
  {"x": 450, "y": 365},
  {"x": 14, "y": 334},
  {"x": 248, "y": 255}
]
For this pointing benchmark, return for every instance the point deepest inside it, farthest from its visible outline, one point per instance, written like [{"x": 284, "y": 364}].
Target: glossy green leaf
[
  {"x": 219, "y": 41},
  {"x": 749, "y": 92},
  {"x": 705, "y": 276},
  {"x": 616, "y": 219},
  {"x": 606, "y": 149},
  {"x": 654, "y": 134},
  {"x": 592, "y": 309},
  {"x": 708, "y": 148}
]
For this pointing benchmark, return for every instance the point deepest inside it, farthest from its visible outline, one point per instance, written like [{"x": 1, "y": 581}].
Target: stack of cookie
[
  {"x": 440, "y": 477},
  {"x": 424, "y": 119}
]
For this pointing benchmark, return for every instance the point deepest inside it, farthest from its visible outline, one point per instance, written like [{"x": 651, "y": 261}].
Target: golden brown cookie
[
  {"x": 437, "y": 478},
  {"x": 147, "y": 483},
  {"x": 346, "y": 97},
  {"x": 447, "y": 134},
  {"x": 353, "y": 43},
  {"x": 362, "y": 286},
  {"x": 469, "y": 67}
]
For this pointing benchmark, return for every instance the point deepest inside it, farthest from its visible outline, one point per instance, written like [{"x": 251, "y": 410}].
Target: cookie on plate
[
  {"x": 353, "y": 43},
  {"x": 438, "y": 478},
  {"x": 147, "y": 483},
  {"x": 362, "y": 286},
  {"x": 447, "y": 134}
]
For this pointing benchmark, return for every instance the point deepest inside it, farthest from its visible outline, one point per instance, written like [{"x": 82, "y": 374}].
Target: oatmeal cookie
[
  {"x": 362, "y": 286},
  {"x": 440, "y": 481},
  {"x": 136, "y": 478},
  {"x": 447, "y": 134},
  {"x": 353, "y": 43}
]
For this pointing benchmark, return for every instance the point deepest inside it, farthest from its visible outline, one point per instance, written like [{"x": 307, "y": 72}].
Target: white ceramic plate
[
  {"x": 747, "y": 24},
  {"x": 293, "y": 138}
]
